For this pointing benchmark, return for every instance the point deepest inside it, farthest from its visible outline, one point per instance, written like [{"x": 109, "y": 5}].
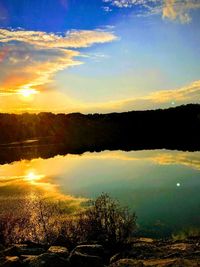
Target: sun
[
  {"x": 32, "y": 177},
  {"x": 27, "y": 92}
]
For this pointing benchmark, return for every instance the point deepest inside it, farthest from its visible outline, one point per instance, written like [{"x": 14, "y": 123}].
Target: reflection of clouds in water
[
  {"x": 31, "y": 177},
  {"x": 43, "y": 174},
  {"x": 188, "y": 159},
  {"x": 23, "y": 180},
  {"x": 162, "y": 157},
  {"x": 51, "y": 177}
]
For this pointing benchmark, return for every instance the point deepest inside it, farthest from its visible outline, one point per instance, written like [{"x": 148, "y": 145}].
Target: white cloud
[
  {"x": 129, "y": 3},
  {"x": 71, "y": 39},
  {"x": 107, "y": 8},
  {"x": 178, "y": 10}
]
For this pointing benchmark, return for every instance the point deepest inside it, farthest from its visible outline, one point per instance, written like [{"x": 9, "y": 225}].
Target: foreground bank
[{"x": 138, "y": 252}]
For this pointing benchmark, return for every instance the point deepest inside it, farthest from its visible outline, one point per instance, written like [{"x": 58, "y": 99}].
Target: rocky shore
[{"x": 138, "y": 253}]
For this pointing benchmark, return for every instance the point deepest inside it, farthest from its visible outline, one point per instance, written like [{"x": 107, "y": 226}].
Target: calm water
[{"x": 161, "y": 186}]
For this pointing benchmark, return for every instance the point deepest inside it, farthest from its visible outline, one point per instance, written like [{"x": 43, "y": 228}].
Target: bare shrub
[
  {"x": 104, "y": 221},
  {"x": 41, "y": 221}
]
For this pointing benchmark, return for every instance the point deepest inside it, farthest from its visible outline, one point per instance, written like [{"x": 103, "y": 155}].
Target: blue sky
[
  {"x": 98, "y": 56},
  {"x": 54, "y": 15}
]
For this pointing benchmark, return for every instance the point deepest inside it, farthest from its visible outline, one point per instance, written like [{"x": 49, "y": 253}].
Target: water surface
[{"x": 161, "y": 186}]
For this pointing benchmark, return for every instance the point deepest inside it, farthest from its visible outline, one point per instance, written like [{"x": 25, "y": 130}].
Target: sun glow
[
  {"x": 32, "y": 177},
  {"x": 27, "y": 92}
]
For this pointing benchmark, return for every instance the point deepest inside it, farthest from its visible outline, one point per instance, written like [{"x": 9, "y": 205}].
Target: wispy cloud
[
  {"x": 178, "y": 10},
  {"x": 59, "y": 102},
  {"x": 71, "y": 39},
  {"x": 159, "y": 99},
  {"x": 128, "y": 3}
]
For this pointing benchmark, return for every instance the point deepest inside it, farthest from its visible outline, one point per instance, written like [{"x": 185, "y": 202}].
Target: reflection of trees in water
[{"x": 173, "y": 128}]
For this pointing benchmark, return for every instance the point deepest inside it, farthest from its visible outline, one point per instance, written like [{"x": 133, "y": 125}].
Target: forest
[{"x": 172, "y": 128}]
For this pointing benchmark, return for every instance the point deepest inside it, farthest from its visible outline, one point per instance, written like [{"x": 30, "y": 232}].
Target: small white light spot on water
[{"x": 178, "y": 184}]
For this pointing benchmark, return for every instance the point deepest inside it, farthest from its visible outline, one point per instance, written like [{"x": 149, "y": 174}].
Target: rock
[
  {"x": 11, "y": 251},
  {"x": 17, "y": 250},
  {"x": 82, "y": 260},
  {"x": 185, "y": 263},
  {"x": 62, "y": 241},
  {"x": 146, "y": 240},
  {"x": 138, "y": 251},
  {"x": 26, "y": 250},
  {"x": 127, "y": 263},
  {"x": 115, "y": 258},
  {"x": 1, "y": 247},
  {"x": 46, "y": 260},
  {"x": 156, "y": 263},
  {"x": 182, "y": 247},
  {"x": 178, "y": 250},
  {"x": 142, "y": 250},
  {"x": 27, "y": 258},
  {"x": 12, "y": 261},
  {"x": 60, "y": 251},
  {"x": 33, "y": 244},
  {"x": 94, "y": 250},
  {"x": 171, "y": 263}
]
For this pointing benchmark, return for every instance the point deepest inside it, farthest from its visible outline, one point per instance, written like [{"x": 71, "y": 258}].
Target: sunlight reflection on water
[{"x": 146, "y": 181}]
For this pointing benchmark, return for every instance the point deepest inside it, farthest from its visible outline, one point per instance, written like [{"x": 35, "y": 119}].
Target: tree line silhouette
[{"x": 172, "y": 128}]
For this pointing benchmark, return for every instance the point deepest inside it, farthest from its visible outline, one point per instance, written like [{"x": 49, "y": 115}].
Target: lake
[{"x": 161, "y": 186}]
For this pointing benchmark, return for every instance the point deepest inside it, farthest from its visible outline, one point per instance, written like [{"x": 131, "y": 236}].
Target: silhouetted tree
[{"x": 104, "y": 221}]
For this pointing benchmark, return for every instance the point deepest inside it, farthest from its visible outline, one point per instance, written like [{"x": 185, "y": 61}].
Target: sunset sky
[{"x": 98, "y": 55}]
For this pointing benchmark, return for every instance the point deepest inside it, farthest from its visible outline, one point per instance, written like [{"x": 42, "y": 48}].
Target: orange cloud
[
  {"x": 30, "y": 59},
  {"x": 29, "y": 67}
]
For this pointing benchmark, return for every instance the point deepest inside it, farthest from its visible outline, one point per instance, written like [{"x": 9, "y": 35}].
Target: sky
[{"x": 91, "y": 56}]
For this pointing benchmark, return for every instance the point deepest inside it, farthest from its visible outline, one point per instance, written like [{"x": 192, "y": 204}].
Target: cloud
[
  {"x": 128, "y": 3},
  {"x": 71, "y": 39},
  {"x": 188, "y": 159},
  {"x": 59, "y": 102},
  {"x": 27, "y": 66},
  {"x": 30, "y": 59},
  {"x": 23, "y": 178},
  {"x": 27, "y": 62},
  {"x": 162, "y": 157},
  {"x": 107, "y": 8},
  {"x": 159, "y": 99},
  {"x": 178, "y": 10}
]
